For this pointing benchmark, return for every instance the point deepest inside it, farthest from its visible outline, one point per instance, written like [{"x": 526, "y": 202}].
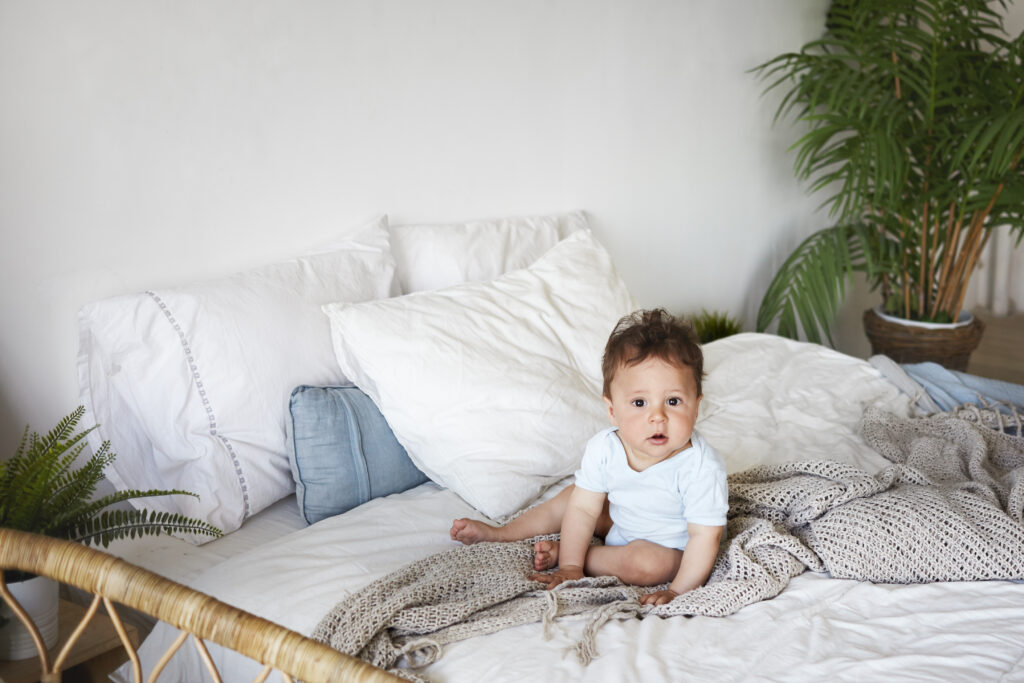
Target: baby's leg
[
  {"x": 545, "y": 553},
  {"x": 545, "y": 518},
  {"x": 640, "y": 563}
]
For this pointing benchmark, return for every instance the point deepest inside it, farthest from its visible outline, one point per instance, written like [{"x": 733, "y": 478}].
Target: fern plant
[
  {"x": 41, "y": 493},
  {"x": 914, "y": 111}
]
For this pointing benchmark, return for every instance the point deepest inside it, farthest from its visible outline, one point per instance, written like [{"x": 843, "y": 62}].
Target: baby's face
[{"x": 654, "y": 405}]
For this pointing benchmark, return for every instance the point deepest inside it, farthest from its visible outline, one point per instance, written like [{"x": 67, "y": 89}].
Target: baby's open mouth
[{"x": 658, "y": 438}]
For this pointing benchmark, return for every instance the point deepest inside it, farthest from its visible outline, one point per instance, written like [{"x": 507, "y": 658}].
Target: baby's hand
[
  {"x": 567, "y": 573},
  {"x": 659, "y": 597}
]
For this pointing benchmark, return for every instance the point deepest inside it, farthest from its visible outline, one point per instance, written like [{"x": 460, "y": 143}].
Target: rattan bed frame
[{"x": 113, "y": 580}]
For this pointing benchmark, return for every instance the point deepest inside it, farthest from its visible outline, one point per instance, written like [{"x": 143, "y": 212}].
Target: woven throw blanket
[{"x": 949, "y": 508}]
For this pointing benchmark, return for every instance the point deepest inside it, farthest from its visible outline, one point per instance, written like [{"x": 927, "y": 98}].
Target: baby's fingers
[
  {"x": 549, "y": 579},
  {"x": 658, "y": 598}
]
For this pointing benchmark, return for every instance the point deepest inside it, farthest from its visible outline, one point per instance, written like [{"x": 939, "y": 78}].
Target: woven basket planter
[{"x": 949, "y": 346}]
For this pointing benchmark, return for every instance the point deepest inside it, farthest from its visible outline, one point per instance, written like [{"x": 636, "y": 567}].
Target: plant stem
[
  {"x": 924, "y": 260},
  {"x": 904, "y": 274},
  {"x": 967, "y": 247},
  {"x": 931, "y": 263},
  {"x": 976, "y": 238},
  {"x": 906, "y": 288},
  {"x": 896, "y": 76},
  {"x": 979, "y": 247},
  {"x": 950, "y": 249}
]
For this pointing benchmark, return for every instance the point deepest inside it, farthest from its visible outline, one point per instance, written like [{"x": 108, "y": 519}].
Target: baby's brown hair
[{"x": 654, "y": 332}]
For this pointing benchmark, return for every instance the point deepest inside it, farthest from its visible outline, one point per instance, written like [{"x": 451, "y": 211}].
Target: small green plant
[
  {"x": 714, "y": 325},
  {"x": 40, "y": 493}
]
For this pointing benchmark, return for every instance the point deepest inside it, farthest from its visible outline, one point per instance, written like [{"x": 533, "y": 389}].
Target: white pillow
[
  {"x": 430, "y": 257},
  {"x": 190, "y": 384},
  {"x": 492, "y": 388},
  {"x": 769, "y": 400}
]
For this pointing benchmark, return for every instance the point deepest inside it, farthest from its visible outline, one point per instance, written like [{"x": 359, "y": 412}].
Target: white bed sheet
[{"x": 767, "y": 400}]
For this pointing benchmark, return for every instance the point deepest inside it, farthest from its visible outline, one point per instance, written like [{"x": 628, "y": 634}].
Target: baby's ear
[{"x": 611, "y": 411}]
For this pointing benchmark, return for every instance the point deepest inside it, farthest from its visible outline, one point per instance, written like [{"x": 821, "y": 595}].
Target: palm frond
[{"x": 808, "y": 288}]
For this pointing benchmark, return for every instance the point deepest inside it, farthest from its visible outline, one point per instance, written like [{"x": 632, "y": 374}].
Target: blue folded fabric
[
  {"x": 951, "y": 388},
  {"x": 342, "y": 452}
]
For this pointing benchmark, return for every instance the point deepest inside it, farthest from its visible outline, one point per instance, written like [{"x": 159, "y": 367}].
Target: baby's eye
[
  {"x": 674, "y": 401},
  {"x": 639, "y": 402}
]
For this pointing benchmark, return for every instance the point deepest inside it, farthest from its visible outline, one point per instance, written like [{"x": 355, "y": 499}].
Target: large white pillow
[
  {"x": 769, "y": 400},
  {"x": 191, "y": 384},
  {"x": 433, "y": 256},
  {"x": 493, "y": 388}
]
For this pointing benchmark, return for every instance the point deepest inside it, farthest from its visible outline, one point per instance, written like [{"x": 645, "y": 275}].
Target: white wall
[{"x": 147, "y": 143}]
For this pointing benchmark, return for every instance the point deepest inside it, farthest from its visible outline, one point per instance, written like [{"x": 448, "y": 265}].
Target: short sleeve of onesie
[
  {"x": 706, "y": 491},
  {"x": 593, "y": 472}
]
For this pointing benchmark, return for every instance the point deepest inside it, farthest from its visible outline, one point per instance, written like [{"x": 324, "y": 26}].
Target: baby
[{"x": 649, "y": 485}]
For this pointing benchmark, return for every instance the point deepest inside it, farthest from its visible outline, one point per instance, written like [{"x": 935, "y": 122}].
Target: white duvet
[{"x": 766, "y": 400}]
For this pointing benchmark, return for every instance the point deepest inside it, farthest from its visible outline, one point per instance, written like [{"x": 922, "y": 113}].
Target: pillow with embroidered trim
[{"x": 191, "y": 384}]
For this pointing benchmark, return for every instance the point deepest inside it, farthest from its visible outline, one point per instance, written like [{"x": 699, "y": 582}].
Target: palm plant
[
  {"x": 39, "y": 492},
  {"x": 915, "y": 133}
]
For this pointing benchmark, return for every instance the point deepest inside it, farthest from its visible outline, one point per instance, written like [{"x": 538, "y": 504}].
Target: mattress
[{"x": 765, "y": 401}]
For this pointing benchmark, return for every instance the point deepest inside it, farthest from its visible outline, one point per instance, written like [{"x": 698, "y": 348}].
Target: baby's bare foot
[
  {"x": 545, "y": 555},
  {"x": 470, "y": 531}
]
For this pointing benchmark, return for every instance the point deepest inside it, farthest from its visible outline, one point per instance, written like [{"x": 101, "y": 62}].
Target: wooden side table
[{"x": 97, "y": 652}]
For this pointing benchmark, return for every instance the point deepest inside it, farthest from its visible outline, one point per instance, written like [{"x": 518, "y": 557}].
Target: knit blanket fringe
[{"x": 948, "y": 508}]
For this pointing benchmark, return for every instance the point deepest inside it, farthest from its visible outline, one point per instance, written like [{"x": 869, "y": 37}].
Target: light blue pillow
[{"x": 342, "y": 452}]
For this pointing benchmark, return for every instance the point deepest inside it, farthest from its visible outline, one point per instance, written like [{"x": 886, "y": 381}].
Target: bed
[{"x": 474, "y": 355}]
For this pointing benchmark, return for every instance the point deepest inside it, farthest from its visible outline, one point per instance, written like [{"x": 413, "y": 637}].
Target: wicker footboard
[{"x": 198, "y": 616}]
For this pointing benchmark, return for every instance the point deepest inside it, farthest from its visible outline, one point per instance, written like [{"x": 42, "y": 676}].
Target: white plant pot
[
  {"x": 39, "y": 597},
  {"x": 966, "y": 318}
]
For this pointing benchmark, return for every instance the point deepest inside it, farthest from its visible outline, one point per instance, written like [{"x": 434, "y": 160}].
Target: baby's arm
[
  {"x": 578, "y": 524},
  {"x": 694, "y": 570}
]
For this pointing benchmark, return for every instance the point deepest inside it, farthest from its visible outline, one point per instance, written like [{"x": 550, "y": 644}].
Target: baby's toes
[
  {"x": 542, "y": 558},
  {"x": 460, "y": 530}
]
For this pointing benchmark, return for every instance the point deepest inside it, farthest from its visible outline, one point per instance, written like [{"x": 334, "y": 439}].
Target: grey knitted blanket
[{"x": 949, "y": 508}]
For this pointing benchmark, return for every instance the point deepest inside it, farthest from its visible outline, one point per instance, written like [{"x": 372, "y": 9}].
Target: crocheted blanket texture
[{"x": 948, "y": 508}]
